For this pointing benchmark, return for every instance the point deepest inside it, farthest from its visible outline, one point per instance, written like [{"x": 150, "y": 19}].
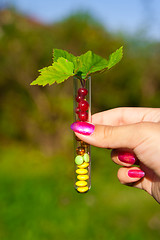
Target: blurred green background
[{"x": 37, "y": 198}]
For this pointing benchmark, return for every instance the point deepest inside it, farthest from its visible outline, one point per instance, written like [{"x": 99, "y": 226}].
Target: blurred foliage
[{"x": 36, "y": 167}]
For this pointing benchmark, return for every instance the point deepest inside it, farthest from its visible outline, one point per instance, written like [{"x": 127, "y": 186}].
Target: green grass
[{"x": 38, "y": 201}]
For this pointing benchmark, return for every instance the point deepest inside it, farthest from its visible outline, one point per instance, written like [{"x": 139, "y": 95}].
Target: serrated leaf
[
  {"x": 91, "y": 63},
  {"x": 58, "y": 72},
  {"x": 57, "y": 53},
  {"x": 115, "y": 57},
  {"x": 65, "y": 65}
]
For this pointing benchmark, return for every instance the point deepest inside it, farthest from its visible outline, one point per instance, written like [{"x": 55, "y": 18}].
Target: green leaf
[
  {"x": 57, "y": 53},
  {"x": 115, "y": 57},
  {"x": 58, "y": 72},
  {"x": 66, "y": 65},
  {"x": 91, "y": 63}
]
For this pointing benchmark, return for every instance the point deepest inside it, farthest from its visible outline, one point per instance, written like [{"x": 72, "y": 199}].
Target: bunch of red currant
[{"x": 83, "y": 105}]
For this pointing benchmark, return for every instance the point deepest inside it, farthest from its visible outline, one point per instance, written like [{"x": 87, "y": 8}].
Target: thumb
[{"x": 104, "y": 136}]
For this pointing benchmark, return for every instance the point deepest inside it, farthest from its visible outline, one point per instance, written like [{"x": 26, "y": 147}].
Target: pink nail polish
[
  {"x": 126, "y": 157},
  {"x": 84, "y": 128},
  {"x": 135, "y": 173}
]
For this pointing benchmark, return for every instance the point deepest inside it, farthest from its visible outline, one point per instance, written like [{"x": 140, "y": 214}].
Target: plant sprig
[{"x": 66, "y": 65}]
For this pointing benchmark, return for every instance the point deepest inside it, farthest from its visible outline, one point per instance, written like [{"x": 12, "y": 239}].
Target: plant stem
[
  {"x": 81, "y": 80},
  {"x": 84, "y": 83}
]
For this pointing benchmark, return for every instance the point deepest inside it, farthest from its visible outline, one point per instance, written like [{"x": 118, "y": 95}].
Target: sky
[{"x": 129, "y": 16}]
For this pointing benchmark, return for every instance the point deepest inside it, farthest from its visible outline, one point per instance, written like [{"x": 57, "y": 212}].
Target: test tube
[{"x": 82, "y": 150}]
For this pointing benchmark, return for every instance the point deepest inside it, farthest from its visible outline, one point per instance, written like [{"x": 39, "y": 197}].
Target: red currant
[
  {"x": 82, "y": 92},
  {"x": 77, "y": 109},
  {"x": 83, "y": 116},
  {"x": 79, "y": 98},
  {"x": 83, "y": 105}
]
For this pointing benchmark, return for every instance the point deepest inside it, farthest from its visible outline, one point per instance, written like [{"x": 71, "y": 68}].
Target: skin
[{"x": 135, "y": 130}]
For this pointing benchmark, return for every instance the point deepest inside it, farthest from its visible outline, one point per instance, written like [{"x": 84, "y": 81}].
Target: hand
[{"x": 134, "y": 136}]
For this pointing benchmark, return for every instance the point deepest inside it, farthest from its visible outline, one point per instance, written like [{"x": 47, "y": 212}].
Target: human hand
[{"x": 134, "y": 136}]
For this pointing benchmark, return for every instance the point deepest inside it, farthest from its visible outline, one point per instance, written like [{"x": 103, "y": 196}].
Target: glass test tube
[{"x": 82, "y": 150}]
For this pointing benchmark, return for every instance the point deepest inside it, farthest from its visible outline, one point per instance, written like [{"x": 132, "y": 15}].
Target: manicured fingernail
[
  {"x": 135, "y": 173},
  {"x": 84, "y": 128},
  {"x": 126, "y": 157}
]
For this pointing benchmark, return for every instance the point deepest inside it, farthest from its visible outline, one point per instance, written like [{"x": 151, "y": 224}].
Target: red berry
[
  {"x": 82, "y": 92},
  {"x": 83, "y": 105},
  {"x": 77, "y": 109},
  {"x": 79, "y": 98},
  {"x": 83, "y": 116}
]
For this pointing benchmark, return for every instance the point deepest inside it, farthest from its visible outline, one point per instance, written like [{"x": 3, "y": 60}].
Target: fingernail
[
  {"x": 84, "y": 128},
  {"x": 135, "y": 173},
  {"x": 126, "y": 157}
]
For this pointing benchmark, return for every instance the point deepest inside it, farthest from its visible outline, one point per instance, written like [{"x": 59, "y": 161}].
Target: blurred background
[{"x": 37, "y": 198}]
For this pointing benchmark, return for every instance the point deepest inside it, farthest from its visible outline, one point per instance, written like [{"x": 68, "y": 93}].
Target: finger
[
  {"x": 129, "y": 175},
  {"x": 134, "y": 177},
  {"x": 126, "y": 115},
  {"x": 124, "y": 157},
  {"x": 127, "y": 136}
]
